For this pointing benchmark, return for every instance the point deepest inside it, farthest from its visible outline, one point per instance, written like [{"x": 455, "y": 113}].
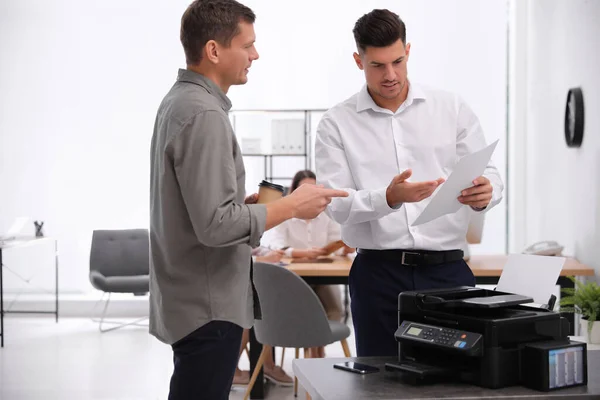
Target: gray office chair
[
  {"x": 120, "y": 263},
  {"x": 292, "y": 316}
]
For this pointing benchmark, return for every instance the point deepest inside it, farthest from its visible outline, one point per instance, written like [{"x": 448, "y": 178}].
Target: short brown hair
[
  {"x": 379, "y": 28},
  {"x": 206, "y": 20}
]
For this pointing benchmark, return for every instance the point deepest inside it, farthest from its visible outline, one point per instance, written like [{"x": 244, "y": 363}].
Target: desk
[
  {"x": 486, "y": 268},
  {"x": 483, "y": 266},
  {"x": 19, "y": 244},
  {"x": 323, "y": 382}
]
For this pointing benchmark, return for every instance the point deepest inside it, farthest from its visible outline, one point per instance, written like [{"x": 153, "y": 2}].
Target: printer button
[{"x": 463, "y": 336}]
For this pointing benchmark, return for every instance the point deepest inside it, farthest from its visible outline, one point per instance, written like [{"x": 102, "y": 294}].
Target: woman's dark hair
[
  {"x": 206, "y": 20},
  {"x": 299, "y": 176},
  {"x": 379, "y": 28}
]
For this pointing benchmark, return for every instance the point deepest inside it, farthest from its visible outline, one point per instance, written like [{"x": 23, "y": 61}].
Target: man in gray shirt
[{"x": 202, "y": 227}]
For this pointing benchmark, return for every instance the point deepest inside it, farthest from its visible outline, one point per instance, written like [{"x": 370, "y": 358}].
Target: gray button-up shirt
[{"x": 201, "y": 233}]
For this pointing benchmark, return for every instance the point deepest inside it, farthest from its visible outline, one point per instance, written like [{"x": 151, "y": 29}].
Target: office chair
[
  {"x": 120, "y": 263},
  {"x": 292, "y": 316}
]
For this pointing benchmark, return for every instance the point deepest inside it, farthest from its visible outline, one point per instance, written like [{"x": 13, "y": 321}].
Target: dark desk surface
[{"x": 323, "y": 382}]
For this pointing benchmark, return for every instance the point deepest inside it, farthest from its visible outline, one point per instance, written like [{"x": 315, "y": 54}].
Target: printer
[{"x": 486, "y": 338}]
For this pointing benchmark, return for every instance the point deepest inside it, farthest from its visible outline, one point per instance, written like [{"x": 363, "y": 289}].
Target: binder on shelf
[{"x": 288, "y": 136}]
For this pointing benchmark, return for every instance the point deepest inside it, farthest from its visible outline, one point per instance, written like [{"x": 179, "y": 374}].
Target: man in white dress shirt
[{"x": 390, "y": 146}]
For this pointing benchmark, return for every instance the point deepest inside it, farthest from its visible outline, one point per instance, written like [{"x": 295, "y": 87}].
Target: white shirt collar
[{"x": 366, "y": 102}]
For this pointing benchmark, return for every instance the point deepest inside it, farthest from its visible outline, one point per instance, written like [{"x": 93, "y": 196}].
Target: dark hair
[
  {"x": 299, "y": 176},
  {"x": 206, "y": 20},
  {"x": 379, "y": 28}
]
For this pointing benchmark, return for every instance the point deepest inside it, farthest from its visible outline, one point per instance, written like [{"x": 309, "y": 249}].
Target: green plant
[{"x": 583, "y": 299}]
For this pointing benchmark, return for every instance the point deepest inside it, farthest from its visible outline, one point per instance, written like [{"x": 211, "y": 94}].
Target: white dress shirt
[
  {"x": 360, "y": 147},
  {"x": 301, "y": 234}
]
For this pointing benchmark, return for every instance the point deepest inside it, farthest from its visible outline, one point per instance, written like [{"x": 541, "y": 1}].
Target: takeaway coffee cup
[{"x": 268, "y": 192}]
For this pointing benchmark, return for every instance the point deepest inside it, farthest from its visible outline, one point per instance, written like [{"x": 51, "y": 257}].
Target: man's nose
[{"x": 390, "y": 73}]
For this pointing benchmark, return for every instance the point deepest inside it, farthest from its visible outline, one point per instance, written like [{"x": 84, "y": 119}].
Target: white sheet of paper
[
  {"x": 445, "y": 201},
  {"x": 532, "y": 276}
]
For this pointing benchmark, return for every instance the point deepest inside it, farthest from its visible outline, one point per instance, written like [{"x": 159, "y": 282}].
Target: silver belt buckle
[{"x": 404, "y": 253}]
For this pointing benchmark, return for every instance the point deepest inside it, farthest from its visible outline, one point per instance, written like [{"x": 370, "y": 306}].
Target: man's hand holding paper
[
  {"x": 479, "y": 195},
  {"x": 458, "y": 190}
]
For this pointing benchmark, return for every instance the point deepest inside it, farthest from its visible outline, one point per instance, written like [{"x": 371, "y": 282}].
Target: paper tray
[{"x": 507, "y": 300}]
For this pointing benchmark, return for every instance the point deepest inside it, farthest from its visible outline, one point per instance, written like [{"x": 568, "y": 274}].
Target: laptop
[{"x": 15, "y": 229}]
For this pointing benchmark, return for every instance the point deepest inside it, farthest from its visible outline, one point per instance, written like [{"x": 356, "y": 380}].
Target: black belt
[{"x": 416, "y": 257}]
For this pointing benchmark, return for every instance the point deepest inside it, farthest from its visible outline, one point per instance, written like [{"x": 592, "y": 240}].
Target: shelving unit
[{"x": 269, "y": 173}]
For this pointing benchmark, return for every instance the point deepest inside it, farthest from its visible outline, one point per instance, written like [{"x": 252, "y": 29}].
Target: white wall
[
  {"x": 561, "y": 184},
  {"x": 80, "y": 82}
]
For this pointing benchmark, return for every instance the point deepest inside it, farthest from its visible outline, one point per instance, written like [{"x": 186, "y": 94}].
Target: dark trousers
[
  {"x": 375, "y": 283},
  {"x": 205, "y": 362}
]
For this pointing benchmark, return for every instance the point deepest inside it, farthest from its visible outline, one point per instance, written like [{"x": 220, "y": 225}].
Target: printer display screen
[
  {"x": 414, "y": 331},
  {"x": 566, "y": 367}
]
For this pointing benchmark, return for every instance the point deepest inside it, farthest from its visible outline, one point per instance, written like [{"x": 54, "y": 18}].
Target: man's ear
[
  {"x": 358, "y": 61},
  {"x": 211, "y": 51},
  {"x": 407, "y": 50}
]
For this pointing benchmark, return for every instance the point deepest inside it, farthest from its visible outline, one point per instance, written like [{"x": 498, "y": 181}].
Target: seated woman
[
  {"x": 272, "y": 372},
  {"x": 306, "y": 239}
]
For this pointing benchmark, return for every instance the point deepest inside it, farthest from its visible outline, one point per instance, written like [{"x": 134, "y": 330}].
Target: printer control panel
[{"x": 444, "y": 337}]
